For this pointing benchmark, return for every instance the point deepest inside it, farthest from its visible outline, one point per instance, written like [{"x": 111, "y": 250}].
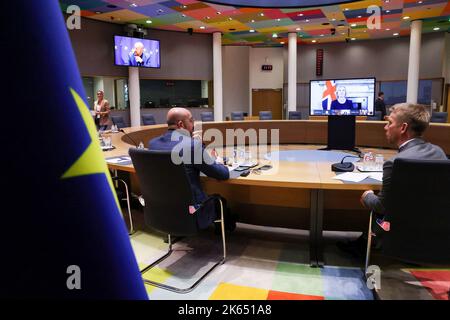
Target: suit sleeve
[
  {"x": 213, "y": 170},
  {"x": 377, "y": 203}
]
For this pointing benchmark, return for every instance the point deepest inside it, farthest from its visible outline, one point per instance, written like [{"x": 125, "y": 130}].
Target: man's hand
[{"x": 364, "y": 196}]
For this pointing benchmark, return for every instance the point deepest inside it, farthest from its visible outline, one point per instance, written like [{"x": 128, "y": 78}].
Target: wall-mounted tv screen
[
  {"x": 136, "y": 52},
  {"x": 342, "y": 97}
]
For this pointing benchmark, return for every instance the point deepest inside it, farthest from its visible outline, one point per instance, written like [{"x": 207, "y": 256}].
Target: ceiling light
[
  {"x": 253, "y": 20},
  {"x": 261, "y": 14},
  {"x": 436, "y": 28},
  {"x": 218, "y": 12},
  {"x": 274, "y": 35},
  {"x": 230, "y": 18},
  {"x": 386, "y": 1},
  {"x": 321, "y": 35},
  {"x": 300, "y": 15},
  {"x": 333, "y": 19},
  {"x": 207, "y": 18},
  {"x": 282, "y": 42},
  {"x": 346, "y": 9},
  {"x": 298, "y": 29},
  {"x": 148, "y": 21},
  {"x": 353, "y": 24},
  {"x": 184, "y": 6},
  {"x": 278, "y": 19},
  {"x": 134, "y": 5},
  {"x": 387, "y": 11},
  {"x": 395, "y": 34},
  {"x": 183, "y": 15},
  {"x": 353, "y": 39},
  {"x": 314, "y": 41},
  {"x": 307, "y": 20},
  {"x": 359, "y": 16},
  {"x": 406, "y": 17},
  {"x": 202, "y": 27},
  {"x": 388, "y": 29},
  {"x": 251, "y": 30},
  {"x": 97, "y": 12},
  {"x": 420, "y": 2}
]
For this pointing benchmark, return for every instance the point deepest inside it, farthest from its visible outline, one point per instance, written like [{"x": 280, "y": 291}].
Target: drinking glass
[{"x": 379, "y": 161}]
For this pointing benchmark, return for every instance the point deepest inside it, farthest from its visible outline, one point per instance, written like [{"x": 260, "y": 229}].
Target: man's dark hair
[{"x": 381, "y": 93}]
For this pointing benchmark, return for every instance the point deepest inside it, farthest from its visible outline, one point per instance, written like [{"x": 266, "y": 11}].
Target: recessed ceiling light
[
  {"x": 207, "y": 18},
  {"x": 134, "y": 5},
  {"x": 253, "y": 20},
  {"x": 359, "y": 16},
  {"x": 387, "y": 1},
  {"x": 395, "y": 34},
  {"x": 387, "y": 11},
  {"x": 436, "y": 28},
  {"x": 98, "y": 12},
  {"x": 388, "y": 29},
  {"x": 353, "y": 39},
  {"x": 314, "y": 41},
  {"x": 274, "y": 35},
  {"x": 298, "y": 29},
  {"x": 278, "y": 19},
  {"x": 353, "y": 24},
  {"x": 282, "y": 42},
  {"x": 148, "y": 21},
  {"x": 300, "y": 15},
  {"x": 230, "y": 18},
  {"x": 333, "y": 19},
  {"x": 307, "y": 20},
  {"x": 251, "y": 30},
  {"x": 218, "y": 12},
  {"x": 321, "y": 35},
  {"x": 420, "y": 2},
  {"x": 406, "y": 17},
  {"x": 342, "y": 32},
  {"x": 346, "y": 9},
  {"x": 184, "y": 6},
  {"x": 261, "y": 14},
  {"x": 202, "y": 27}
]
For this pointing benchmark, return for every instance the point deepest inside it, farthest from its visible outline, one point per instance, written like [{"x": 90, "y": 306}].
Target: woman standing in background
[{"x": 101, "y": 109}]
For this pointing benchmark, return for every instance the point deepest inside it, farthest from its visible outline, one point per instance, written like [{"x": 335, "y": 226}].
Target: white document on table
[
  {"x": 118, "y": 160},
  {"x": 376, "y": 175},
  {"x": 352, "y": 176}
]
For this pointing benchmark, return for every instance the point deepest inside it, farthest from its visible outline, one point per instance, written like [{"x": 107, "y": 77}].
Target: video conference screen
[
  {"x": 136, "y": 52},
  {"x": 342, "y": 97}
]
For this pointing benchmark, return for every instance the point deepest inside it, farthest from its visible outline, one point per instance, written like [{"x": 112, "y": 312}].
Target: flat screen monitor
[
  {"x": 136, "y": 52},
  {"x": 355, "y": 97}
]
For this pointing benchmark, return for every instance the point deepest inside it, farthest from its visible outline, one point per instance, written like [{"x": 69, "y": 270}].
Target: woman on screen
[{"x": 341, "y": 102}]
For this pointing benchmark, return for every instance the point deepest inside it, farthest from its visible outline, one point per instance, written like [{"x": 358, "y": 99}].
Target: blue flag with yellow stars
[{"x": 62, "y": 232}]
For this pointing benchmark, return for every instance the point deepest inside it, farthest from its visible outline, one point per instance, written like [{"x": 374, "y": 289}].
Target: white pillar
[
  {"x": 217, "y": 78},
  {"x": 134, "y": 96},
  {"x": 292, "y": 72},
  {"x": 414, "y": 61}
]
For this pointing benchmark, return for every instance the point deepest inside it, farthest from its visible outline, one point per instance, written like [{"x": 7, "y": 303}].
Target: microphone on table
[
  {"x": 343, "y": 166},
  {"x": 127, "y": 135}
]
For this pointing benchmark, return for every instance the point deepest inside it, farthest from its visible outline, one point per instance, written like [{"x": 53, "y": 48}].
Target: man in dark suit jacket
[
  {"x": 380, "y": 105},
  {"x": 190, "y": 151},
  {"x": 405, "y": 127}
]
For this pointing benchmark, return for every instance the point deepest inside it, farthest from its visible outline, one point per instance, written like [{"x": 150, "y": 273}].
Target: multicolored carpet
[{"x": 261, "y": 265}]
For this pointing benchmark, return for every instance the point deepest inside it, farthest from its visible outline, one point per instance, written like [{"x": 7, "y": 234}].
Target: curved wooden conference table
[{"x": 298, "y": 195}]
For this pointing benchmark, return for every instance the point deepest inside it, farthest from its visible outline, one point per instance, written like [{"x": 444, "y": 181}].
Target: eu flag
[{"x": 62, "y": 235}]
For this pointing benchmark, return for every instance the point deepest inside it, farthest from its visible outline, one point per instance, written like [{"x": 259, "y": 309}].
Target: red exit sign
[{"x": 266, "y": 67}]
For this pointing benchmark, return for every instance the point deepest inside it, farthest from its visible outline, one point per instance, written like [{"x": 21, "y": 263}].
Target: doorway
[{"x": 268, "y": 100}]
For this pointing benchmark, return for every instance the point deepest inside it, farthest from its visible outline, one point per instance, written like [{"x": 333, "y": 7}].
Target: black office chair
[
  {"x": 295, "y": 115},
  {"x": 207, "y": 116},
  {"x": 439, "y": 117},
  {"x": 167, "y": 195},
  {"x": 148, "y": 119},
  {"x": 418, "y": 210},
  {"x": 118, "y": 121},
  {"x": 376, "y": 116},
  {"x": 265, "y": 115},
  {"x": 237, "y": 116}
]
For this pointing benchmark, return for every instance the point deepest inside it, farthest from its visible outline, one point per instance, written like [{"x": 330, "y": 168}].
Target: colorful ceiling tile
[{"x": 331, "y": 23}]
